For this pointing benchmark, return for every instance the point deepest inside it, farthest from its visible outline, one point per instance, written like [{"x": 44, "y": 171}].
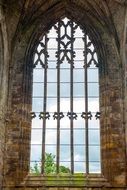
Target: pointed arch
[{"x": 65, "y": 89}]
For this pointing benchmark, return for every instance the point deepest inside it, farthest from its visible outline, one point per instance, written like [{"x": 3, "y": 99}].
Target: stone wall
[
  {"x": 21, "y": 25},
  {"x": 4, "y": 64}
]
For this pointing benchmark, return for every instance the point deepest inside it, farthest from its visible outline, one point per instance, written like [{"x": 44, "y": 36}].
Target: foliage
[
  {"x": 63, "y": 169},
  {"x": 35, "y": 169},
  {"x": 49, "y": 166}
]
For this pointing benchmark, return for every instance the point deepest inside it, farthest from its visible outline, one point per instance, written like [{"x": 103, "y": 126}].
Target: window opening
[{"x": 65, "y": 113}]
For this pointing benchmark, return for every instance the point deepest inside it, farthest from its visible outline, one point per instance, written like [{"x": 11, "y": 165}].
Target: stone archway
[{"x": 106, "y": 40}]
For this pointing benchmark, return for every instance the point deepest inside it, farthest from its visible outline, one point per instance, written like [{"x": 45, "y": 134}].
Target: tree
[{"x": 49, "y": 166}]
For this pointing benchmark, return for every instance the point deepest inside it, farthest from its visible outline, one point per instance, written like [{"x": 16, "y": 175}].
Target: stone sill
[{"x": 65, "y": 180}]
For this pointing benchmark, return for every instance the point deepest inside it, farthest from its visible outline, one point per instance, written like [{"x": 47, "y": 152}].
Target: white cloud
[{"x": 77, "y": 157}]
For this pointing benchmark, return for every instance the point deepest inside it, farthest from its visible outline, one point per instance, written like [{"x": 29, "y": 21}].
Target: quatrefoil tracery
[
  {"x": 33, "y": 115},
  {"x": 87, "y": 115},
  {"x": 97, "y": 115},
  {"x": 44, "y": 115},
  {"x": 60, "y": 115},
  {"x": 72, "y": 115}
]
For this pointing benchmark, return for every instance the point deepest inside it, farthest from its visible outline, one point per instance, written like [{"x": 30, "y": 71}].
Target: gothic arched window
[{"x": 65, "y": 102}]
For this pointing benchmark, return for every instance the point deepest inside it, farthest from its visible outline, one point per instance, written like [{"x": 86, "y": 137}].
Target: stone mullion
[
  {"x": 58, "y": 102},
  {"x": 86, "y": 104},
  {"x": 44, "y": 106},
  {"x": 71, "y": 99}
]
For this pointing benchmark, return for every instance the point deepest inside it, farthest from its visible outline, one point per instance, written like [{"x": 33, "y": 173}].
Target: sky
[{"x": 78, "y": 103}]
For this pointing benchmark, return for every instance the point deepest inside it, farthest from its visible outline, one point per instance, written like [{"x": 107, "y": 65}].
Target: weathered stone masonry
[{"x": 21, "y": 25}]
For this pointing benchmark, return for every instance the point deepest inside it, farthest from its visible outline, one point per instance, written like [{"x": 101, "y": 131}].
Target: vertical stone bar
[
  {"x": 44, "y": 105},
  {"x": 71, "y": 102},
  {"x": 86, "y": 104},
  {"x": 58, "y": 103}
]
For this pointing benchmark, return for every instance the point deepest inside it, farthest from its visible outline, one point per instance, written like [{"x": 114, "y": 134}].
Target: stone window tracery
[{"x": 65, "y": 100}]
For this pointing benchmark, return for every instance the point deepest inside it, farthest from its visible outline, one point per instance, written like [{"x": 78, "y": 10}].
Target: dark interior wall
[
  {"x": 124, "y": 58},
  {"x": 1, "y": 111},
  {"x": 4, "y": 64}
]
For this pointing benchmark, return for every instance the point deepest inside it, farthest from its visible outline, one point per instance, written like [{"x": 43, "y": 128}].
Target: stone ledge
[{"x": 76, "y": 180}]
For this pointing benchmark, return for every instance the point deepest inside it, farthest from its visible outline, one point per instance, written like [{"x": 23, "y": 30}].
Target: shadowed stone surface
[{"x": 21, "y": 25}]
